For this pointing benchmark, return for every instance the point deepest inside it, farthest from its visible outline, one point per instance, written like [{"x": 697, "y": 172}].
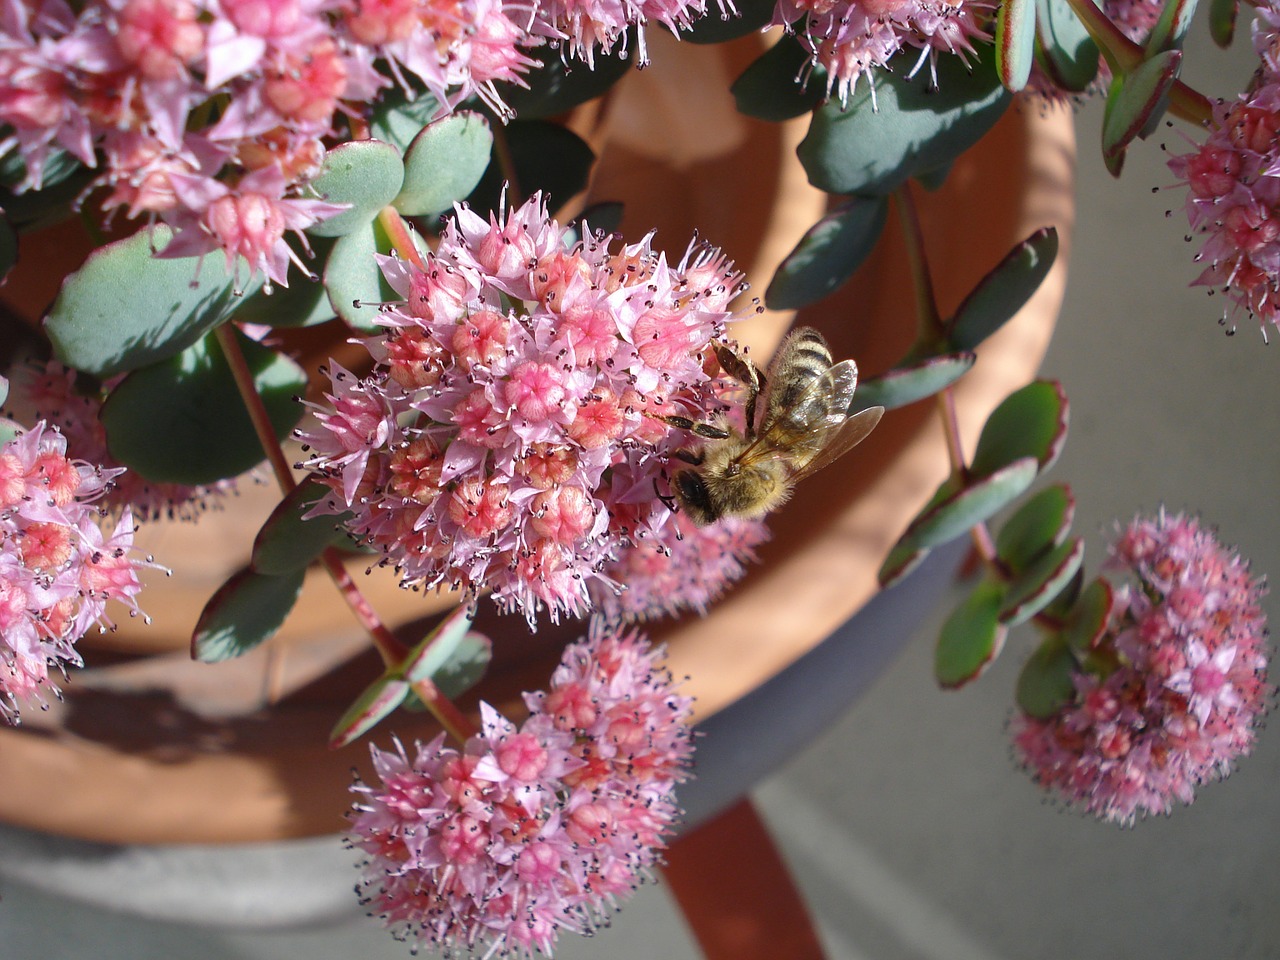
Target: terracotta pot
[{"x": 149, "y": 747}]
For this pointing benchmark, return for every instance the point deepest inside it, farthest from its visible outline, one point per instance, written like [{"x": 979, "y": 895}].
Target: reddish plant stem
[
  {"x": 401, "y": 236},
  {"x": 933, "y": 331},
  {"x": 1122, "y": 55},
  {"x": 392, "y": 651}
]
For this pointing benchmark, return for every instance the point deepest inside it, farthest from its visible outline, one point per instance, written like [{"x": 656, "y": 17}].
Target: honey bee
[{"x": 804, "y": 425}]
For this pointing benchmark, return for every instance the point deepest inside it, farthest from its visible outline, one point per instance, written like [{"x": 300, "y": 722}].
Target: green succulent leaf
[
  {"x": 1066, "y": 51},
  {"x": 1135, "y": 103},
  {"x": 369, "y": 709},
  {"x": 353, "y": 279},
  {"x": 547, "y": 158},
  {"x": 1015, "y": 42},
  {"x": 828, "y": 254},
  {"x": 1090, "y": 615},
  {"x": 467, "y": 666},
  {"x": 438, "y": 646},
  {"x": 902, "y": 559},
  {"x": 1030, "y": 422},
  {"x": 9, "y": 430},
  {"x": 907, "y": 384},
  {"x": 304, "y": 303},
  {"x": 63, "y": 181},
  {"x": 1033, "y": 589},
  {"x": 1171, "y": 29},
  {"x": 1001, "y": 293},
  {"x": 1036, "y": 527},
  {"x": 556, "y": 87},
  {"x": 444, "y": 163},
  {"x": 1045, "y": 683},
  {"x": 1222, "y": 21},
  {"x": 126, "y": 308},
  {"x": 971, "y": 638},
  {"x": 247, "y": 610},
  {"x": 912, "y": 127},
  {"x": 182, "y": 420},
  {"x": 397, "y": 120},
  {"x": 364, "y": 173},
  {"x": 771, "y": 88},
  {"x": 753, "y": 16},
  {"x": 286, "y": 542},
  {"x": 954, "y": 511}
]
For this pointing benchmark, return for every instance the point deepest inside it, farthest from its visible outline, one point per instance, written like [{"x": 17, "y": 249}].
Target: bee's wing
[
  {"x": 853, "y": 431},
  {"x": 784, "y": 438}
]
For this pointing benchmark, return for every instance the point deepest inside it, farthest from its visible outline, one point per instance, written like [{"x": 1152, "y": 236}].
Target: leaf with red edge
[
  {"x": 1045, "y": 684},
  {"x": 899, "y": 563},
  {"x": 1015, "y": 42},
  {"x": 911, "y": 381},
  {"x": 1090, "y": 615},
  {"x": 247, "y": 610},
  {"x": 1135, "y": 103},
  {"x": 952, "y": 512},
  {"x": 1033, "y": 589},
  {"x": 828, "y": 254},
  {"x": 1171, "y": 29},
  {"x": 1039, "y": 525},
  {"x": 1065, "y": 51},
  {"x": 371, "y": 707},
  {"x": 1002, "y": 293},
  {"x": 971, "y": 638},
  {"x": 1030, "y": 422},
  {"x": 286, "y": 542},
  {"x": 435, "y": 649}
]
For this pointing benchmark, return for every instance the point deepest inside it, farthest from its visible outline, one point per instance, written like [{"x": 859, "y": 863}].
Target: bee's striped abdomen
[{"x": 802, "y": 359}]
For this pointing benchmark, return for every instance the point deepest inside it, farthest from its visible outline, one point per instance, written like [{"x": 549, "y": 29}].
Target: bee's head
[{"x": 691, "y": 491}]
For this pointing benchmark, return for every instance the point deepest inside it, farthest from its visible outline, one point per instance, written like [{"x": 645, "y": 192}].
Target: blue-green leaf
[
  {"x": 364, "y": 173},
  {"x": 1015, "y": 42},
  {"x": 182, "y": 420},
  {"x": 1036, "y": 527},
  {"x": 771, "y": 88},
  {"x": 907, "y": 384},
  {"x": 303, "y": 303},
  {"x": 1222, "y": 21},
  {"x": 1002, "y": 293},
  {"x": 1066, "y": 51},
  {"x": 286, "y": 542},
  {"x": 828, "y": 254},
  {"x": 547, "y": 157},
  {"x": 126, "y": 309},
  {"x": 916, "y": 127},
  {"x": 1034, "y": 588},
  {"x": 353, "y": 279},
  {"x": 1030, "y": 422},
  {"x": 1135, "y": 103},
  {"x": 1090, "y": 615},
  {"x": 971, "y": 638},
  {"x": 398, "y": 120},
  {"x": 374, "y": 704},
  {"x": 1171, "y": 29},
  {"x": 247, "y": 610},
  {"x": 444, "y": 163},
  {"x": 438, "y": 646},
  {"x": 1045, "y": 684},
  {"x": 952, "y": 512}
]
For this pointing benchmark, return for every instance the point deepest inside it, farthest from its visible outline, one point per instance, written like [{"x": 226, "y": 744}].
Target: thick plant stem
[
  {"x": 928, "y": 318},
  {"x": 401, "y": 237},
  {"x": 736, "y": 892},
  {"x": 392, "y": 651}
]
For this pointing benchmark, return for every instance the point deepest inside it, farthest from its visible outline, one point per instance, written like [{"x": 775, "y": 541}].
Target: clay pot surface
[{"x": 149, "y": 747}]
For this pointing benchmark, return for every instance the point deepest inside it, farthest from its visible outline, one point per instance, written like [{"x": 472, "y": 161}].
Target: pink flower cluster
[
  {"x": 211, "y": 115},
  {"x": 534, "y": 829},
  {"x": 57, "y": 570},
  {"x": 687, "y": 567},
  {"x": 1172, "y": 694},
  {"x": 1233, "y": 182},
  {"x": 505, "y": 440},
  {"x": 850, "y": 38},
  {"x": 50, "y": 393}
]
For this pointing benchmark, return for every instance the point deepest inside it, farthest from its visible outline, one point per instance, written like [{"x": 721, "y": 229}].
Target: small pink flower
[
  {"x": 536, "y": 829},
  {"x": 57, "y": 569},
  {"x": 1172, "y": 695}
]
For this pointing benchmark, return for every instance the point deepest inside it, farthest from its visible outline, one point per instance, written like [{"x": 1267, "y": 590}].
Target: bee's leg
[
  {"x": 694, "y": 458},
  {"x": 746, "y": 373},
  {"x": 699, "y": 428}
]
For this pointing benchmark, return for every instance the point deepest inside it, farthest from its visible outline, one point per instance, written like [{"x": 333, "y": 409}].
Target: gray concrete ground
[{"x": 911, "y": 832}]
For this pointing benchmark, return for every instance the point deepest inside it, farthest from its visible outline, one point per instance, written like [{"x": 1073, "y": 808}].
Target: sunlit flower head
[
  {"x": 531, "y": 829},
  {"x": 58, "y": 568},
  {"x": 1172, "y": 695},
  {"x": 504, "y": 441}
]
